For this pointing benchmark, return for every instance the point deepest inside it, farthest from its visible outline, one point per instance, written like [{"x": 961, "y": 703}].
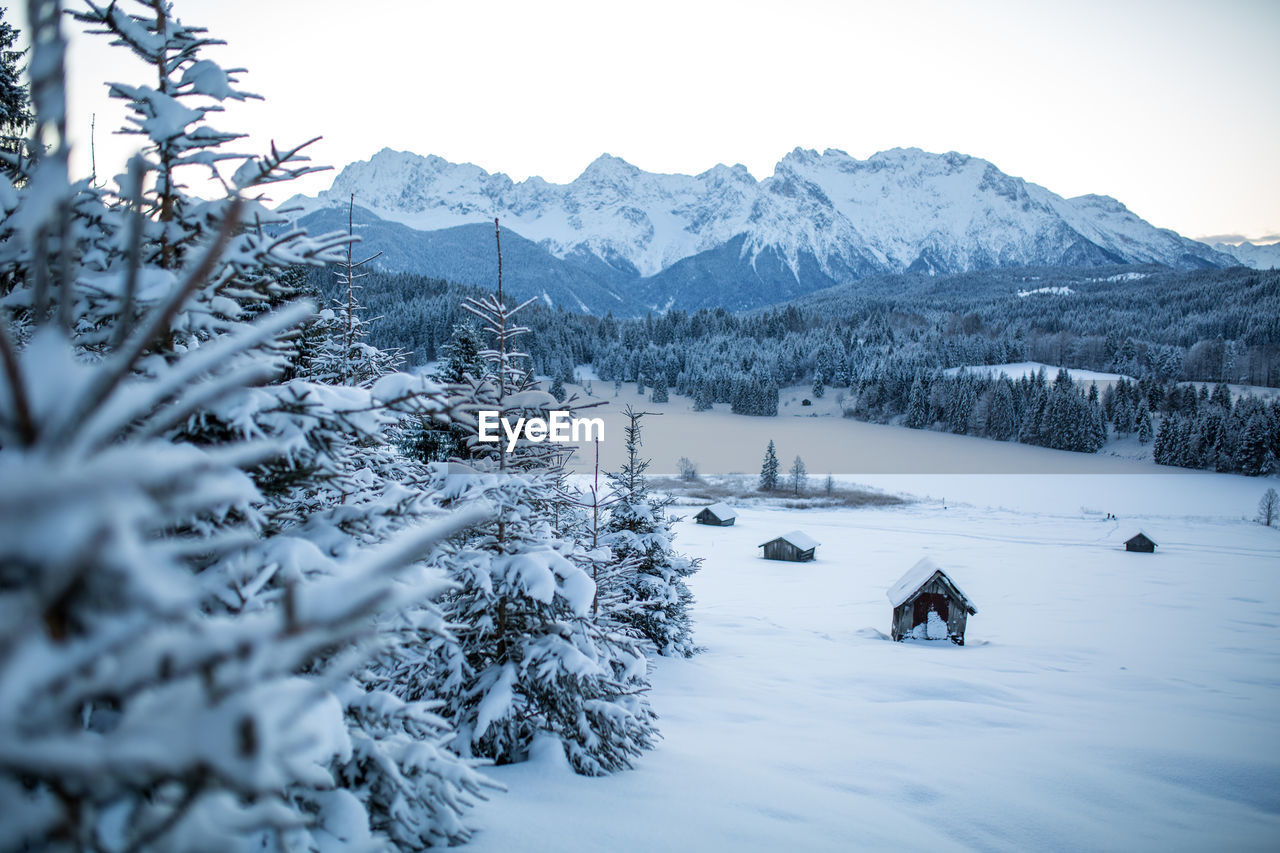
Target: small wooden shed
[
  {"x": 1141, "y": 543},
  {"x": 721, "y": 515},
  {"x": 794, "y": 546},
  {"x": 927, "y": 589}
]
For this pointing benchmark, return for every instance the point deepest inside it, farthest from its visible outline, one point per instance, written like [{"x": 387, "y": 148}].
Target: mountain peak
[
  {"x": 608, "y": 167},
  {"x": 1100, "y": 202},
  {"x": 800, "y": 155},
  {"x": 737, "y": 173}
]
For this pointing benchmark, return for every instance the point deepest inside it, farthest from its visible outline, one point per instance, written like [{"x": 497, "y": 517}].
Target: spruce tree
[
  {"x": 530, "y": 659},
  {"x": 917, "y": 407},
  {"x": 1144, "y": 425},
  {"x": 819, "y": 387},
  {"x": 1253, "y": 454},
  {"x": 702, "y": 398},
  {"x": 207, "y": 604},
  {"x": 1222, "y": 397},
  {"x": 427, "y": 439},
  {"x": 1001, "y": 419},
  {"x": 462, "y": 361},
  {"x": 1097, "y": 432},
  {"x": 15, "y": 102},
  {"x": 343, "y": 355},
  {"x": 769, "y": 400},
  {"x": 1161, "y": 450},
  {"x": 1126, "y": 416},
  {"x": 769, "y": 470},
  {"x": 639, "y": 532},
  {"x": 961, "y": 404},
  {"x": 1032, "y": 428}
]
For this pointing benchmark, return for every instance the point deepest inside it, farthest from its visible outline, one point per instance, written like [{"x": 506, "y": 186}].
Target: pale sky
[{"x": 1168, "y": 105}]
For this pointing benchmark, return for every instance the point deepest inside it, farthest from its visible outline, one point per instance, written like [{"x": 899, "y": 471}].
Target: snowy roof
[
  {"x": 803, "y": 541},
  {"x": 916, "y": 577},
  {"x": 722, "y": 511},
  {"x": 1140, "y": 533}
]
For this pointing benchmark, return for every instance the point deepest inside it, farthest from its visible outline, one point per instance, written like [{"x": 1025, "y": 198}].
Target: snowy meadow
[{"x": 1103, "y": 699}]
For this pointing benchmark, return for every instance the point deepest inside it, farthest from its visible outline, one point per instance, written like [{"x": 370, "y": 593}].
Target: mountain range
[
  {"x": 1260, "y": 256},
  {"x": 620, "y": 239}
]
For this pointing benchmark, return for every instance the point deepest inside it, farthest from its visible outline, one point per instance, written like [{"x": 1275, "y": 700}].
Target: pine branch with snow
[{"x": 196, "y": 559}]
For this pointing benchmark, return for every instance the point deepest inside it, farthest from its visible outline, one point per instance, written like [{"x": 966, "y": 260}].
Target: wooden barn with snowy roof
[
  {"x": 795, "y": 546},
  {"x": 924, "y": 591},
  {"x": 719, "y": 514},
  {"x": 1141, "y": 543}
]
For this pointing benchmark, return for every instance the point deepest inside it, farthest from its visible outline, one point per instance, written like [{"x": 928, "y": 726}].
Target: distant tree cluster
[
  {"x": 1030, "y": 410},
  {"x": 1211, "y": 432},
  {"x": 418, "y": 315},
  {"x": 889, "y": 340},
  {"x": 1164, "y": 326}
]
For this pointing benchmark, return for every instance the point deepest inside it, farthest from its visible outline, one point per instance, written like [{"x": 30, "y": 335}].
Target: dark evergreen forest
[{"x": 885, "y": 346}]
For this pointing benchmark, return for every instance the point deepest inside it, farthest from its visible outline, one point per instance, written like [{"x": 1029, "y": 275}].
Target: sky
[{"x": 1170, "y": 106}]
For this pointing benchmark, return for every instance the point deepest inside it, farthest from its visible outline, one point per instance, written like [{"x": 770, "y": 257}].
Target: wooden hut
[
  {"x": 1141, "y": 543},
  {"x": 794, "y": 546},
  {"x": 721, "y": 515},
  {"x": 923, "y": 590}
]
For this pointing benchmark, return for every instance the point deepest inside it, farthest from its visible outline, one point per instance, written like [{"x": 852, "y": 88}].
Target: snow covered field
[
  {"x": 1020, "y": 369},
  {"x": 1105, "y": 700}
]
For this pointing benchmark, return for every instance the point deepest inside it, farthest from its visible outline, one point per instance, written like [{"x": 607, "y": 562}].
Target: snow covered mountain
[
  {"x": 1260, "y": 256},
  {"x": 723, "y": 238}
]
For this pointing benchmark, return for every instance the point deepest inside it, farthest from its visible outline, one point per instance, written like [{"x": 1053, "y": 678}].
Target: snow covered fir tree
[
  {"x": 534, "y": 658},
  {"x": 769, "y": 469},
  {"x": 15, "y": 104},
  {"x": 639, "y": 532},
  {"x": 215, "y": 554}
]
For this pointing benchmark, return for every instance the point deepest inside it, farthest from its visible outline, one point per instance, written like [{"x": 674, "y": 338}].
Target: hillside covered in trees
[{"x": 884, "y": 344}]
